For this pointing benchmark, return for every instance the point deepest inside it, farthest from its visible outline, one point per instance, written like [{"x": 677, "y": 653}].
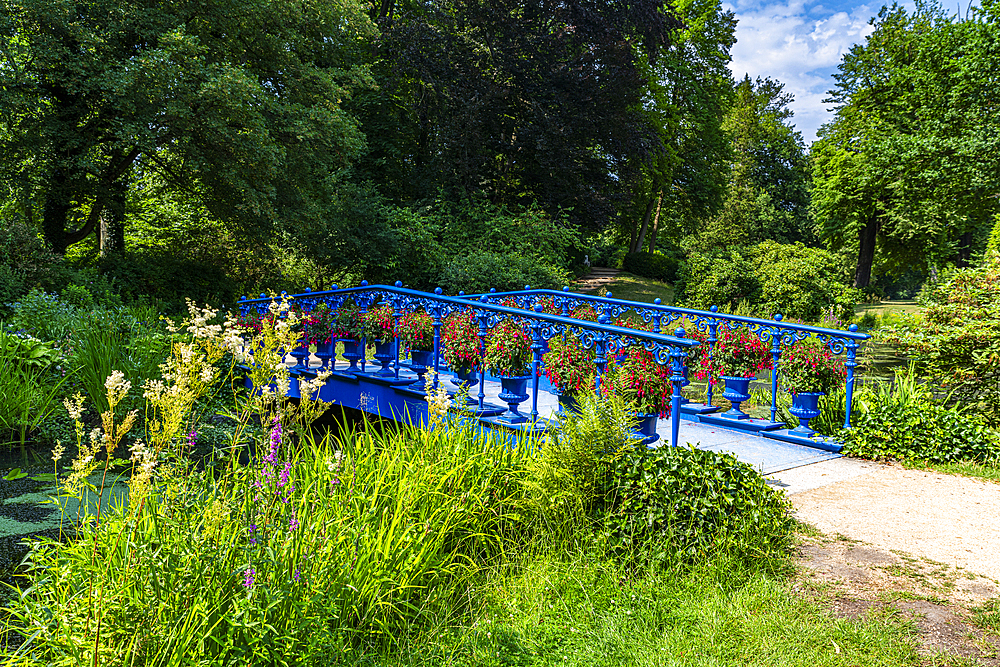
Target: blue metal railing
[
  {"x": 774, "y": 331},
  {"x": 601, "y": 336}
]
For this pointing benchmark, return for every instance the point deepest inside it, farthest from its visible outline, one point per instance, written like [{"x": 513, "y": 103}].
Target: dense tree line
[{"x": 397, "y": 139}]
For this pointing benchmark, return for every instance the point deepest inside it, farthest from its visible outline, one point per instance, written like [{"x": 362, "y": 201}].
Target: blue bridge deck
[{"x": 405, "y": 401}]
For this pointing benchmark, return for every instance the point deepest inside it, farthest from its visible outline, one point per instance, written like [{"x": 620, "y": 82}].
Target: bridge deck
[{"x": 766, "y": 454}]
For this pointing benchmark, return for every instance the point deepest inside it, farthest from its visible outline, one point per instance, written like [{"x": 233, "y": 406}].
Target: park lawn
[
  {"x": 987, "y": 472},
  {"x": 580, "y": 610},
  {"x": 629, "y": 287},
  {"x": 885, "y": 307}
]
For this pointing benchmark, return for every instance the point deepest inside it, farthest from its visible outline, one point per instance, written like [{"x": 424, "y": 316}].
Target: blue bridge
[{"x": 396, "y": 389}]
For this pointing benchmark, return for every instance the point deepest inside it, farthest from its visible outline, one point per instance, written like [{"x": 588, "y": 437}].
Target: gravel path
[{"x": 947, "y": 518}]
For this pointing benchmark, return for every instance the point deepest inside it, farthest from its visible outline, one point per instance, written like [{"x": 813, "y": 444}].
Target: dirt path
[
  {"x": 599, "y": 278},
  {"x": 913, "y": 544},
  {"x": 947, "y": 518}
]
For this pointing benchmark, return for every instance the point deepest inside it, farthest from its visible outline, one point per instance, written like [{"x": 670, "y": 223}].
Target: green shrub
[
  {"x": 794, "y": 280},
  {"x": 902, "y": 421},
  {"x": 958, "y": 341},
  {"x": 479, "y": 271},
  {"x": 44, "y": 316},
  {"x": 686, "y": 503},
  {"x": 652, "y": 265},
  {"x": 164, "y": 277},
  {"x": 25, "y": 262},
  {"x": 568, "y": 476}
]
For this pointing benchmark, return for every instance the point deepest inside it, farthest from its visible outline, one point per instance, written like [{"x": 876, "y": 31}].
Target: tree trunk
[
  {"x": 642, "y": 231},
  {"x": 866, "y": 252},
  {"x": 111, "y": 232},
  {"x": 964, "y": 250},
  {"x": 656, "y": 224}
]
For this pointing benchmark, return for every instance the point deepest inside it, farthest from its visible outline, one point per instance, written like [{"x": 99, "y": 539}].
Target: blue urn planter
[
  {"x": 325, "y": 352},
  {"x": 647, "y": 426},
  {"x": 301, "y": 354},
  {"x": 805, "y": 406},
  {"x": 737, "y": 391},
  {"x": 465, "y": 379},
  {"x": 352, "y": 352},
  {"x": 422, "y": 360},
  {"x": 385, "y": 354},
  {"x": 515, "y": 392},
  {"x": 568, "y": 403}
]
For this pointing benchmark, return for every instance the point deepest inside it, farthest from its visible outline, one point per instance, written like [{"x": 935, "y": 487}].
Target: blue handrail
[
  {"x": 774, "y": 331},
  {"x": 600, "y": 336}
]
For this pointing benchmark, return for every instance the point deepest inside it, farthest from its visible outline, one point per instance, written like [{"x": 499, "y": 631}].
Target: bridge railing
[
  {"x": 602, "y": 337},
  {"x": 776, "y": 332}
]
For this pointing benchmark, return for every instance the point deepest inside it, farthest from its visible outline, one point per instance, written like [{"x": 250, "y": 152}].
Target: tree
[
  {"x": 907, "y": 167},
  {"x": 690, "y": 88},
  {"x": 243, "y": 102},
  {"x": 521, "y": 101},
  {"x": 767, "y": 194}
]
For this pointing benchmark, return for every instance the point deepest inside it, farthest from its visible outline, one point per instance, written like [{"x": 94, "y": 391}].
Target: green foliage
[
  {"x": 696, "y": 503},
  {"x": 44, "y": 316},
  {"x": 29, "y": 394},
  {"x": 121, "y": 339},
  {"x": 567, "y": 479},
  {"x": 903, "y": 421},
  {"x": 794, "y": 280},
  {"x": 482, "y": 270},
  {"x": 551, "y": 128},
  {"x": 28, "y": 350},
  {"x": 165, "y": 277},
  {"x": 25, "y": 262},
  {"x": 906, "y": 164},
  {"x": 654, "y": 265},
  {"x": 259, "y": 133},
  {"x": 958, "y": 341}
]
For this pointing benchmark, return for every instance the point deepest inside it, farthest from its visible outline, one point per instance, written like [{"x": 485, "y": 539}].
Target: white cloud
[{"x": 800, "y": 45}]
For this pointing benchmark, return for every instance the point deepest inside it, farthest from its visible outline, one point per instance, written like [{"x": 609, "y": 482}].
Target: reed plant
[{"x": 321, "y": 545}]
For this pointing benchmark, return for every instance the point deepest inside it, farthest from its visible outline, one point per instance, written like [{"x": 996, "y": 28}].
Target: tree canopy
[
  {"x": 908, "y": 164},
  {"x": 243, "y": 102}
]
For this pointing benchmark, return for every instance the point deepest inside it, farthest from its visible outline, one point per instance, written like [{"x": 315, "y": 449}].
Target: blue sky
[{"x": 799, "y": 43}]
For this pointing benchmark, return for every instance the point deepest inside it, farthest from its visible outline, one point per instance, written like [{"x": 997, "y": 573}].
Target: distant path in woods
[{"x": 599, "y": 278}]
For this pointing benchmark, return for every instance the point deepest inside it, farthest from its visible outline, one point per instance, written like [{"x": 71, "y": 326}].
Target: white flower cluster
[{"x": 117, "y": 387}]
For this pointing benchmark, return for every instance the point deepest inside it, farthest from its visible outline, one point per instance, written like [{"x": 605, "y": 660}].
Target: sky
[{"x": 799, "y": 43}]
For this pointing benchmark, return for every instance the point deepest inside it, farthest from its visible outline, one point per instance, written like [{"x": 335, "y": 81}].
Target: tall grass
[
  {"x": 28, "y": 396},
  {"x": 328, "y": 547}
]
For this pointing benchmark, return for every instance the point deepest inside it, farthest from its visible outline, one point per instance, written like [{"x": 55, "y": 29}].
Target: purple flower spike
[{"x": 248, "y": 577}]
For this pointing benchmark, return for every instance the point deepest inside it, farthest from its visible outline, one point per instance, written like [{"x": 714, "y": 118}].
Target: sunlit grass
[{"x": 629, "y": 287}]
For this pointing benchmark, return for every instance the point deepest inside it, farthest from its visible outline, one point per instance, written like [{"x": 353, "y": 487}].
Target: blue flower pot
[
  {"x": 515, "y": 392},
  {"x": 568, "y": 403},
  {"x": 422, "y": 360},
  {"x": 465, "y": 379},
  {"x": 301, "y": 354},
  {"x": 352, "y": 352},
  {"x": 385, "y": 354},
  {"x": 647, "y": 426},
  {"x": 325, "y": 352},
  {"x": 805, "y": 406},
  {"x": 737, "y": 391}
]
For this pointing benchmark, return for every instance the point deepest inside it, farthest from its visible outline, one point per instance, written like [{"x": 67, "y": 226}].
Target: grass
[
  {"x": 630, "y": 287},
  {"x": 989, "y": 473},
  {"x": 581, "y": 610},
  {"x": 886, "y": 307}
]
